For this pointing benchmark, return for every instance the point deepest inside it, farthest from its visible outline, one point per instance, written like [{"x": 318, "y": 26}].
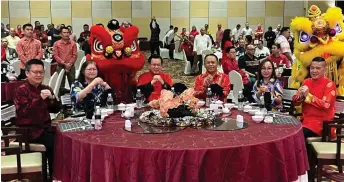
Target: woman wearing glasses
[
  {"x": 268, "y": 86},
  {"x": 89, "y": 89}
]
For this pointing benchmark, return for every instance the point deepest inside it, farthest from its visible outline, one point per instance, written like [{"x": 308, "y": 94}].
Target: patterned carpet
[{"x": 175, "y": 68}]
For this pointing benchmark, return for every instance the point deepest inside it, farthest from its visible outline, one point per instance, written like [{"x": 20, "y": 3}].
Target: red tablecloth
[
  {"x": 8, "y": 89},
  {"x": 261, "y": 152}
]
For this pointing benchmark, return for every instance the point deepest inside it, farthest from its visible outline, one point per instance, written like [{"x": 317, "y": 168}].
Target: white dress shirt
[
  {"x": 236, "y": 33},
  {"x": 201, "y": 43},
  {"x": 170, "y": 35},
  {"x": 246, "y": 31},
  {"x": 12, "y": 41}
]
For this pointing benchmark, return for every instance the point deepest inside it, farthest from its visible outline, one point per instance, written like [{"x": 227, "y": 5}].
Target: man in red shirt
[
  {"x": 151, "y": 83},
  {"x": 212, "y": 77},
  {"x": 317, "y": 96},
  {"x": 65, "y": 54},
  {"x": 41, "y": 36},
  {"x": 86, "y": 33},
  {"x": 258, "y": 32},
  {"x": 28, "y": 48},
  {"x": 194, "y": 31},
  {"x": 278, "y": 58},
  {"x": 34, "y": 101}
]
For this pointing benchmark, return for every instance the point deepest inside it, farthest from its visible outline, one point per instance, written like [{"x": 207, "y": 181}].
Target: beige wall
[{"x": 178, "y": 13}]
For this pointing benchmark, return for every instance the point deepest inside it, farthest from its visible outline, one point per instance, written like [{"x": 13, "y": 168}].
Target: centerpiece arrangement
[{"x": 177, "y": 110}]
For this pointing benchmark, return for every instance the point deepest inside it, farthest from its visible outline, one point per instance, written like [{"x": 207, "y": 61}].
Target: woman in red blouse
[
  {"x": 19, "y": 32},
  {"x": 226, "y": 42}
]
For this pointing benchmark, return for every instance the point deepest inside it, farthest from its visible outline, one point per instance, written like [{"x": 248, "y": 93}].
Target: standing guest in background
[
  {"x": 12, "y": 39},
  {"x": 171, "y": 28},
  {"x": 277, "y": 58},
  {"x": 183, "y": 34},
  {"x": 9, "y": 52},
  {"x": 241, "y": 48},
  {"x": 34, "y": 101},
  {"x": 3, "y": 54},
  {"x": 317, "y": 96},
  {"x": 4, "y": 33},
  {"x": 65, "y": 54},
  {"x": 41, "y": 36},
  {"x": 258, "y": 32},
  {"x": 19, "y": 31},
  {"x": 169, "y": 41},
  {"x": 89, "y": 88},
  {"x": 202, "y": 42},
  {"x": 151, "y": 83},
  {"x": 194, "y": 31},
  {"x": 282, "y": 40},
  {"x": 247, "y": 30},
  {"x": 219, "y": 35},
  {"x": 269, "y": 37},
  {"x": 187, "y": 46},
  {"x": 86, "y": 33},
  {"x": 206, "y": 28},
  {"x": 54, "y": 34},
  {"x": 37, "y": 25},
  {"x": 226, "y": 42},
  {"x": 28, "y": 48},
  {"x": 236, "y": 33},
  {"x": 268, "y": 82},
  {"x": 212, "y": 78},
  {"x": 72, "y": 35},
  {"x": 43, "y": 31},
  {"x": 277, "y": 30},
  {"x": 155, "y": 36},
  {"x": 261, "y": 52}
]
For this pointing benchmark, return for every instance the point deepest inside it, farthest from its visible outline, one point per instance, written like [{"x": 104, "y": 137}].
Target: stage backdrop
[{"x": 180, "y": 13}]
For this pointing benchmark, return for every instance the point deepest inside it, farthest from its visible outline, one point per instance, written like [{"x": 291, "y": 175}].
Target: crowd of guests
[{"x": 251, "y": 60}]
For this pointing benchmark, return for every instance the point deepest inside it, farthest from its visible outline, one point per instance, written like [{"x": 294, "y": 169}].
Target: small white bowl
[
  {"x": 229, "y": 105},
  {"x": 268, "y": 119},
  {"x": 247, "y": 108},
  {"x": 218, "y": 102},
  {"x": 121, "y": 107},
  {"x": 252, "y": 111},
  {"x": 200, "y": 103},
  {"x": 132, "y": 105},
  {"x": 257, "y": 119},
  {"x": 259, "y": 113}
]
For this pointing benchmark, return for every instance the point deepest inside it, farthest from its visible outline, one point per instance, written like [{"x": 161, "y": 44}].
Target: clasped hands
[
  {"x": 46, "y": 94},
  {"x": 100, "y": 81},
  {"x": 303, "y": 90},
  {"x": 157, "y": 78}
]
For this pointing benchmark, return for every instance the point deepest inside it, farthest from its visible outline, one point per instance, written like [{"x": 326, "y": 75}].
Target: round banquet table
[
  {"x": 261, "y": 152},
  {"x": 8, "y": 89}
]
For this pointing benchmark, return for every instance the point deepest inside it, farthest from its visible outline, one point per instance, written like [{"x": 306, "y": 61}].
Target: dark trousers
[
  {"x": 309, "y": 133},
  {"x": 170, "y": 47},
  {"x": 48, "y": 140},
  {"x": 190, "y": 59},
  {"x": 22, "y": 75},
  {"x": 155, "y": 47}
]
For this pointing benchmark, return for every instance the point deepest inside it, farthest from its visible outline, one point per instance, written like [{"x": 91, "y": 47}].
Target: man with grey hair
[
  {"x": 12, "y": 39},
  {"x": 202, "y": 42},
  {"x": 10, "y": 52}
]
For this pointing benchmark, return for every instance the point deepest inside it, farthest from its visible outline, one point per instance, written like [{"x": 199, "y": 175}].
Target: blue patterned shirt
[{"x": 275, "y": 88}]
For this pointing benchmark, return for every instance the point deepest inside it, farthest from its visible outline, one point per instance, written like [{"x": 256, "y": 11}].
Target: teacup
[{"x": 121, "y": 107}]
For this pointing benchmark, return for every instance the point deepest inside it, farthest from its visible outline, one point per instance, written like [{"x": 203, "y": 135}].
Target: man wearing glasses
[
  {"x": 34, "y": 101},
  {"x": 151, "y": 83},
  {"x": 249, "y": 63}
]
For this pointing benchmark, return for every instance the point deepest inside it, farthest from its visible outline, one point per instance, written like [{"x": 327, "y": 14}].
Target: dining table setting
[{"x": 219, "y": 142}]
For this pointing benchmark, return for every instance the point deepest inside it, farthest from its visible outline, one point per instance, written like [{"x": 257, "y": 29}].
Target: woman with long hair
[
  {"x": 268, "y": 83},
  {"x": 89, "y": 88},
  {"x": 226, "y": 42}
]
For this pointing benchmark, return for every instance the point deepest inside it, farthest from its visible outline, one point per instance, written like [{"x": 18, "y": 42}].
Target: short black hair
[
  {"x": 228, "y": 49},
  {"x": 217, "y": 59},
  {"x": 64, "y": 28},
  {"x": 171, "y": 26},
  {"x": 175, "y": 28},
  {"x": 270, "y": 27},
  {"x": 37, "y": 21},
  {"x": 86, "y": 25},
  {"x": 238, "y": 25},
  {"x": 154, "y": 56},
  {"x": 31, "y": 62},
  {"x": 277, "y": 45},
  {"x": 318, "y": 59},
  {"x": 284, "y": 29},
  {"x": 27, "y": 25},
  {"x": 80, "y": 39}
]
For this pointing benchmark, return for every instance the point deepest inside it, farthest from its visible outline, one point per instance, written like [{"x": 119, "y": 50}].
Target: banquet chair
[
  {"x": 187, "y": 68},
  {"x": 16, "y": 65},
  {"x": 52, "y": 80},
  {"x": 164, "y": 52},
  {"x": 78, "y": 69},
  {"x": 47, "y": 72},
  {"x": 58, "y": 83},
  {"x": 327, "y": 152},
  {"x": 178, "y": 55},
  {"x": 236, "y": 81},
  {"x": 19, "y": 162},
  {"x": 81, "y": 55},
  {"x": 289, "y": 81}
]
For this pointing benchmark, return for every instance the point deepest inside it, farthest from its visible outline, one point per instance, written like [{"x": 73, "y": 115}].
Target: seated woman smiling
[
  {"x": 89, "y": 89},
  {"x": 268, "y": 84}
]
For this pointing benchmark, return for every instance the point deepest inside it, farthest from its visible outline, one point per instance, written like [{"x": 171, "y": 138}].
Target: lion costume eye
[
  {"x": 98, "y": 46},
  {"x": 133, "y": 46},
  {"x": 338, "y": 28},
  {"x": 304, "y": 37}
]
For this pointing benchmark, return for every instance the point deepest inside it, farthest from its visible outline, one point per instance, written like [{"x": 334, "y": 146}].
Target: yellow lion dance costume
[{"x": 319, "y": 35}]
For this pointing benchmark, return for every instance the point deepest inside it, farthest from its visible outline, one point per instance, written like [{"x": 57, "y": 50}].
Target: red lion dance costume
[{"x": 115, "y": 50}]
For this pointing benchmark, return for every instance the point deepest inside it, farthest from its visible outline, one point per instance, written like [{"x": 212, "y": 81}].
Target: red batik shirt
[
  {"x": 147, "y": 77},
  {"x": 282, "y": 59},
  {"x": 32, "y": 111},
  {"x": 319, "y": 104},
  {"x": 29, "y": 49},
  {"x": 219, "y": 78},
  {"x": 65, "y": 51},
  {"x": 228, "y": 65}
]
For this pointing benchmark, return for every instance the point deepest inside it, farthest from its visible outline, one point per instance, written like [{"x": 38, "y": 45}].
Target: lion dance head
[
  {"x": 116, "y": 51},
  {"x": 319, "y": 35}
]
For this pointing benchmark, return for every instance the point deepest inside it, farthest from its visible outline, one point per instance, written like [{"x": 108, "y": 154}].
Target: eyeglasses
[
  {"x": 156, "y": 65},
  {"x": 91, "y": 69},
  {"x": 37, "y": 72}
]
